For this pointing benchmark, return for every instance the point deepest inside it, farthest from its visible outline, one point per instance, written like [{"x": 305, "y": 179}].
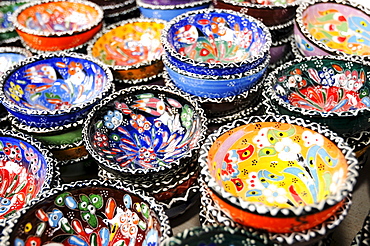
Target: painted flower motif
[
  {"x": 113, "y": 119},
  {"x": 336, "y": 181},
  {"x": 88, "y": 206},
  {"x": 13, "y": 152},
  {"x": 187, "y": 114},
  {"x": 16, "y": 91},
  {"x": 63, "y": 105},
  {"x": 326, "y": 76},
  {"x": 33, "y": 160},
  {"x": 100, "y": 140},
  {"x": 275, "y": 194},
  {"x": 287, "y": 149},
  {"x": 146, "y": 156},
  {"x": 312, "y": 138}
]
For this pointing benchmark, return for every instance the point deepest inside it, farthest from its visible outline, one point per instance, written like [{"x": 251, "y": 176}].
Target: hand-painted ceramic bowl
[
  {"x": 90, "y": 212},
  {"x": 144, "y": 132},
  {"x": 271, "y": 13},
  {"x": 9, "y": 56},
  {"x": 55, "y": 25},
  {"x": 168, "y": 12},
  {"x": 210, "y": 86},
  {"x": 7, "y": 30},
  {"x": 218, "y": 235},
  {"x": 54, "y": 89},
  {"x": 332, "y": 27},
  {"x": 278, "y": 173},
  {"x": 216, "y": 42},
  {"x": 132, "y": 48},
  {"x": 27, "y": 169},
  {"x": 330, "y": 90}
]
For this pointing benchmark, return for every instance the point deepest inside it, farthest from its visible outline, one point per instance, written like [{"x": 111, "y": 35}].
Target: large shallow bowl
[
  {"x": 27, "y": 169},
  {"x": 55, "y": 25},
  {"x": 54, "y": 89},
  {"x": 330, "y": 90},
  {"x": 144, "y": 132},
  {"x": 278, "y": 173},
  {"x": 132, "y": 48},
  {"x": 90, "y": 212},
  {"x": 332, "y": 27},
  {"x": 216, "y": 42}
]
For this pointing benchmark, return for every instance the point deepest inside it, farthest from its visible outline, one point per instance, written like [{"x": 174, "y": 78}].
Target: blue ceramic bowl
[
  {"x": 54, "y": 89},
  {"x": 168, "y": 12},
  {"x": 214, "y": 86},
  {"x": 216, "y": 42}
]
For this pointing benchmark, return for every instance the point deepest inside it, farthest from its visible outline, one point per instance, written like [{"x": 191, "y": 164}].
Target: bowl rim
[
  {"x": 81, "y": 184},
  {"x": 170, "y": 50},
  {"x": 110, "y": 28},
  {"x": 17, "y": 50},
  {"x": 271, "y": 99},
  {"x": 262, "y": 209},
  {"x": 131, "y": 90},
  {"x": 262, "y": 6},
  {"x": 18, "y": 26},
  {"x": 175, "y": 7},
  {"x": 306, "y": 34},
  {"x": 60, "y": 55}
]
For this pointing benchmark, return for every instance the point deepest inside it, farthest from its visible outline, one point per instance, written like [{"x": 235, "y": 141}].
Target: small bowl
[
  {"x": 269, "y": 14},
  {"x": 278, "y": 173},
  {"x": 89, "y": 212},
  {"x": 198, "y": 42},
  {"x": 168, "y": 12},
  {"x": 319, "y": 28},
  {"x": 9, "y": 56},
  {"x": 56, "y": 25},
  {"x": 27, "y": 169},
  {"x": 51, "y": 90},
  {"x": 7, "y": 30},
  {"x": 132, "y": 48},
  {"x": 144, "y": 133},
  {"x": 331, "y": 90}
]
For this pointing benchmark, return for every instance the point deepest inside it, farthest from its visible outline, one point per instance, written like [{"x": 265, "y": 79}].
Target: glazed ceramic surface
[
  {"x": 78, "y": 214},
  {"x": 26, "y": 170},
  {"x": 54, "y": 90},
  {"x": 9, "y": 56},
  {"x": 7, "y": 8},
  {"x": 207, "y": 40},
  {"x": 334, "y": 27},
  {"x": 143, "y": 128}
]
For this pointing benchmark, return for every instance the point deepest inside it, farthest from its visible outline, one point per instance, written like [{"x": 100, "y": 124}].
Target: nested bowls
[
  {"x": 27, "y": 169},
  {"x": 55, "y": 25},
  {"x": 132, "y": 48},
  {"x": 145, "y": 133},
  {"x": 278, "y": 173},
  {"x": 332, "y": 28},
  {"x": 90, "y": 212},
  {"x": 216, "y": 42},
  {"x": 331, "y": 90},
  {"x": 54, "y": 89}
]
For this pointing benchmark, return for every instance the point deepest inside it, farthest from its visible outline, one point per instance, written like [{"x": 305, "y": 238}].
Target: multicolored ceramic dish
[
  {"x": 89, "y": 212},
  {"x": 216, "y": 42},
  {"x": 277, "y": 173},
  {"x": 55, "y": 25},
  {"x": 331, "y": 90},
  {"x": 332, "y": 27},
  {"x": 26, "y": 170},
  {"x": 132, "y": 48},
  {"x": 54, "y": 89}
]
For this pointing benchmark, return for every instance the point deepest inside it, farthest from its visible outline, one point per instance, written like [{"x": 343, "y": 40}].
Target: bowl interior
[
  {"x": 89, "y": 215},
  {"x": 339, "y": 26},
  {"x": 58, "y": 16},
  {"x": 217, "y": 37},
  {"x": 130, "y": 44},
  {"x": 23, "y": 173},
  {"x": 324, "y": 85},
  {"x": 57, "y": 83},
  {"x": 277, "y": 164},
  {"x": 8, "y": 59},
  {"x": 144, "y": 129}
]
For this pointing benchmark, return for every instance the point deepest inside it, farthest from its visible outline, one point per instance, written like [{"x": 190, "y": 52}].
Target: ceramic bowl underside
[
  {"x": 87, "y": 215},
  {"x": 336, "y": 27}
]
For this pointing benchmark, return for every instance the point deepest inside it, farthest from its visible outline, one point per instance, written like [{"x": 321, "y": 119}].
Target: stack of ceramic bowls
[
  {"x": 132, "y": 49},
  {"x": 89, "y": 212},
  {"x": 27, "y": 169},
  {"x": 169, "y": 9},
  {"x": 49, "y": 96},
  {"x": 332, "y": 27},
  {"x": 57, "y": 25},
  {"x": 278, "y": 16},
  {"x": 278, "y": 174},
  {"x": 148, "y": 136},
  {"x": 118, "y": 10}
]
